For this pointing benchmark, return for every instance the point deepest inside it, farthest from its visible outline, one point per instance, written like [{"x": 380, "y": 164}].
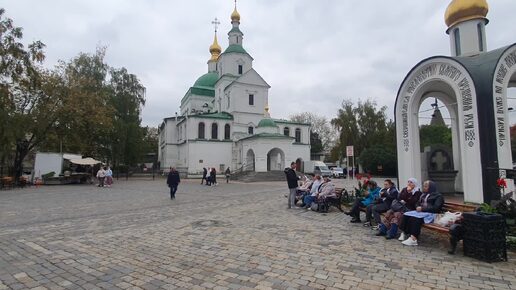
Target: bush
[{"x": 378, "y": 155}]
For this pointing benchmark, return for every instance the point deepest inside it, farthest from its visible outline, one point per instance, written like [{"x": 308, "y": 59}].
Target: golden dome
[
  {"x": 215, "y": 49},
  {"x": 463, "y": 10},
  {"x": 235, "y": 16}
]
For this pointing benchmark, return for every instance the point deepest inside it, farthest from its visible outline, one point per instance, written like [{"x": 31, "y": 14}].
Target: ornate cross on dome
[{"x": 216, "y": 23}]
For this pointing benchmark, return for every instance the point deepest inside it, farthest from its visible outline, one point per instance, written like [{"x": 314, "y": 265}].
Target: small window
[
  {"x": 250, "y": 130},
  {"x": 286, "y": 131},
  {"x": 200, "y": 133},
  {"x": 240, "y": 69},
  {"x": 298, "y": 135},
  {"x": 456, "y": 34},
  {"x": 251, "y": 100},
  {"x": 480, "y": 39},
  {"x": 214, "y": 131},
  {"x": 227, "y": 132}
]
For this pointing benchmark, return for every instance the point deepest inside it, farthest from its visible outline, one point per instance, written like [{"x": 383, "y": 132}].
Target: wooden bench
[
  {"x": 451, "y": 207},
  {"x": 6, "y": 182},
  {"x": 333, "y": 201}
]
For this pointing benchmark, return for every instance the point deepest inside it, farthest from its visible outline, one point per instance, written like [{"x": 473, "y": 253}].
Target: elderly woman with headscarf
[
  {"x": 406, "y": 201},
  {"x": 430, "y": 203}
]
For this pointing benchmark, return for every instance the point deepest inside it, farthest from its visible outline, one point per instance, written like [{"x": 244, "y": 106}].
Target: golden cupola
[
  {"x": 215, "y": 49},
  {"x": 235, "y": 16},
  {"x": 463, "y": 10}
]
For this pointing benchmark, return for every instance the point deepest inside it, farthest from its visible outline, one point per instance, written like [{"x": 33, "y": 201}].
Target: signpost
[{"x": 350, "y": 153}]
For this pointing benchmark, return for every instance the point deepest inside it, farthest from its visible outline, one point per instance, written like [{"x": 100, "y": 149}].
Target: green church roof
[
  {"x": 207, "y": 80},
  {"x": 235, "y": 48},
  {"x": 267, "y": 122},
  {"x": 235, "y": 29}
]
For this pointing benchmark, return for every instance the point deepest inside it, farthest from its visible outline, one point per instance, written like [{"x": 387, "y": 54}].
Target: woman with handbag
[
  {"x": 406, "y": 201},
  {"x": 430, "y": 203}
]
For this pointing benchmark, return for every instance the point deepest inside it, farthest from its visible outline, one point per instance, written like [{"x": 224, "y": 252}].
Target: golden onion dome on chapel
[
  {"x": 235, "y": 16},
  {"x": 463, "y": 10},
  {"x": 215, "y": 49}
]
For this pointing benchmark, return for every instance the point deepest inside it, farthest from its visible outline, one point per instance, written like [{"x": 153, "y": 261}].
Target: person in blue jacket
[{"x": 372, "y": 193}]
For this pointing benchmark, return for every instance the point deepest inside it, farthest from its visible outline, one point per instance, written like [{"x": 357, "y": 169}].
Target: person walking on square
[
  {"x": 228, "y": 174},
  {"x": 109, "y": 177},
  {"x": 292, "y": 182},
  {"x": 214, "y": 176},
  {"x": 173, "y": 181},
  {"x": 204, "y": 173},
  {"x": 101, "y": 175}
]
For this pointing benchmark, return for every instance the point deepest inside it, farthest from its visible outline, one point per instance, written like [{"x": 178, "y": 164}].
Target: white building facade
[{"x": 224, "y": 119}]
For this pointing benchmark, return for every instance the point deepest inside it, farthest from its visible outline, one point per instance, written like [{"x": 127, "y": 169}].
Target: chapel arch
[
  {"x": 250, "y": 161},
  {"x": 275, "y": 160},
  {"x": 447, "y": 80}
]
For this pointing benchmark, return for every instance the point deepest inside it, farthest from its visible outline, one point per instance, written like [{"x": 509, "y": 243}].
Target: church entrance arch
[
  {"x": 447, "y": 80},
  {"x": 250, "y": 161},
  {"x": 299, "y": 164},
  {"x": 275, "y": 160},
  {"x": 504, "y": 86}
]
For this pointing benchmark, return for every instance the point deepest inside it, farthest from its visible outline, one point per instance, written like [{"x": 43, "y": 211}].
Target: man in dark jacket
[
  {"x": 204, "y": 173},
  {"x": 173, "y": 181},
  {"x": 292, "y": 181}
]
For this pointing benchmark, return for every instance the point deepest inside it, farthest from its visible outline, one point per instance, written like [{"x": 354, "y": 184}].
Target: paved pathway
[{"x": 235, "y": 236}]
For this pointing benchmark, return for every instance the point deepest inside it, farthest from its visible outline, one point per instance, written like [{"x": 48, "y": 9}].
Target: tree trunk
[{"x": 22, "y": 149}]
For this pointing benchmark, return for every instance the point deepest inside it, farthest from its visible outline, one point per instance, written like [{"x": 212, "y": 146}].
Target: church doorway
[
  {"x": 249, "y": 164},
  {"x": 275, "y": 160},
  {"x": 299, "y": 165}
]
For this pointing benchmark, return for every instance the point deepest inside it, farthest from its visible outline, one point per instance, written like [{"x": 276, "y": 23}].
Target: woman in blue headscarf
[{"x": 430, "y": 203}]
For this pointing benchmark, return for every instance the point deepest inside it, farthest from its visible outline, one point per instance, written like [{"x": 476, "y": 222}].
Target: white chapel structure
[
  {"x": 472, "y": 83},
  {"x": 224, "y": 119}
]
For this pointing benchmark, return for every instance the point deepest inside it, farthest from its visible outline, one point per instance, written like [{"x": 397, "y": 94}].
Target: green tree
[
  {"x": 23, "y": 96},
  {"x": 320, "y": 127},
  {"x": 127, "y": 99},
  {"x": 434, "y": 135}
]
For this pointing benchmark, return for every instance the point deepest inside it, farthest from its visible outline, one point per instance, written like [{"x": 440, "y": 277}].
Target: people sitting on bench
[
  {"x": 406, "y": 201},
  {"x": 430, "y": 203},
  {"x": 326, "y": 190},
  {"x": 373, "y": 191},
  {"x": 383, "y": 203},
  {"x": 304, "y": 189},
  {"x": 309, "y": 198}
]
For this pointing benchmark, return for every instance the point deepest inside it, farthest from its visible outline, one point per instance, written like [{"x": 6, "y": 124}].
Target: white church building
[{"x": 224, "y": 119}]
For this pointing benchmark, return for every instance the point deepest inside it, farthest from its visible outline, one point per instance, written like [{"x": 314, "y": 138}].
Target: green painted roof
[
  {"x": 267, "y": 122},
  {"x": 235, "y": 48},
  {"x": 235, "y": 29},
  {"x": 217, "y": 115},
  {"x": 207, "y": 80}
]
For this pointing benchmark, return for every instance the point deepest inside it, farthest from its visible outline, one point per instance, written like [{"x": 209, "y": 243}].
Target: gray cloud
[{"x": 312, "y": 53}]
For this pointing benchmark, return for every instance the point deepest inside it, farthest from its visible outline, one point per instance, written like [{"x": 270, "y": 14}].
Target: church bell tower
[{"x": 466, "y": 21}]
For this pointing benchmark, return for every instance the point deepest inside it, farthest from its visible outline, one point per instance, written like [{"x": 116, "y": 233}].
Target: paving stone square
[{"x": 230, "y": 236}]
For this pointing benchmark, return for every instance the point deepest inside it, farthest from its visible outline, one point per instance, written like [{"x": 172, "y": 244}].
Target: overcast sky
[{"x": 313, "y": 53}]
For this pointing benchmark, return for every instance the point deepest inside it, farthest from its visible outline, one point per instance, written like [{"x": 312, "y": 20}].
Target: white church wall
[
  {"x": 261, "y": 147},
  {"x": 208, "y": 154},
  {"x": 228, "y": 63},
  {"x": 240, "y": 98}
]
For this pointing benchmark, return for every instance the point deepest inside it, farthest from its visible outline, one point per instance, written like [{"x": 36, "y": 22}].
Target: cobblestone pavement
[{"x": 235, "y": 236}]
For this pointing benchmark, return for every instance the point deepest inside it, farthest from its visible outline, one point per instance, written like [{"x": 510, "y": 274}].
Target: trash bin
[{"x": 484, "y": 237}]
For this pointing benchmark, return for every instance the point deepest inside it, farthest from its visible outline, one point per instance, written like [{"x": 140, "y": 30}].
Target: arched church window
[
  {"x": 200, "y": 133},
  {"x": 480, "y": 38},
  {"x": 250, "y": 130},
  {"x": 227, "y": 132},
  {"x": 286, "y": 131},
  {"x": 298, "y": 135},
  {"x": 456, "y": 34},
  {"x": 214, "y": 131}
]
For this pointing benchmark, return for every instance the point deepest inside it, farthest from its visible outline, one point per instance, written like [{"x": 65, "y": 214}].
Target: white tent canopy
[{"x": 85, "y": 161}]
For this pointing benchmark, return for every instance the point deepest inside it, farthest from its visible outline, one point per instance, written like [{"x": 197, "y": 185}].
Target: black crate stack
[{"x": 485, "y": 237}]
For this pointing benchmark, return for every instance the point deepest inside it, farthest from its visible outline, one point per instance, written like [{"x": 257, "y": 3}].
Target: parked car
[
  {"x": 316, "y": 167},
  {"x": 337, "y": 172}
]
